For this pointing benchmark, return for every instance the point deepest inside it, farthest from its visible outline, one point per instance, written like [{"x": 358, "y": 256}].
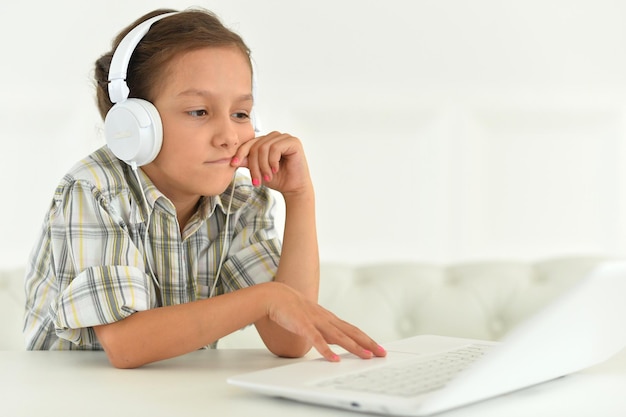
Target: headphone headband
[{"x": 118, "y": 89}]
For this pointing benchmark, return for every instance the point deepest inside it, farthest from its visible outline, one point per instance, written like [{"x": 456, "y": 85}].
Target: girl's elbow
[
  {"x": 291, "y": 350},
  {"x": 118, "y": 352}
]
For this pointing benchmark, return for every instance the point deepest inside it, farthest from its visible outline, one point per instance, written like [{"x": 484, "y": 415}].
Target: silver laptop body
[{"x": 576, "y": 331}]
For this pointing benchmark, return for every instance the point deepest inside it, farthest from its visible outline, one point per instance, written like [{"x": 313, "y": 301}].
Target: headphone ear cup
[{"x": 133, "y": 131}]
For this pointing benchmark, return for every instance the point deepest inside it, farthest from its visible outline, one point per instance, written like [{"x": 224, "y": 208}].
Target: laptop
[{"x": 581, "y": 328}]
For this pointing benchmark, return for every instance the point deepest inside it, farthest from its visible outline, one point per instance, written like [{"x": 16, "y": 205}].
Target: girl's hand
[
  {"x": 290, "y": 310},
  {"x": 276, "y": 160}
]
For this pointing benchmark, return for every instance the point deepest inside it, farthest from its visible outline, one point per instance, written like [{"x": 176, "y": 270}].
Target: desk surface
[{"x": 46, "y": 383}]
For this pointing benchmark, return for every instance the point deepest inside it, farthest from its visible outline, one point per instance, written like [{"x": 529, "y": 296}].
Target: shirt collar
[
  {"x": 238, "y": 191},
  {"x": 206, "y": 207}
]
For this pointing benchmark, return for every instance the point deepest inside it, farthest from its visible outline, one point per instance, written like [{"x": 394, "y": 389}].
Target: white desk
[{"x": 84, "y": 384}]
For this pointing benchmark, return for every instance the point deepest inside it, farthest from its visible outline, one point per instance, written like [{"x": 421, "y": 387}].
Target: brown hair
[{"x": 182, "y": 32}]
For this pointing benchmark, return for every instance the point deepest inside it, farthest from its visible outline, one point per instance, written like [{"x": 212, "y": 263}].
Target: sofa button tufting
[
  {"x": 406, "y": 326},
  {"x": 452, "y": 279},
  {"x": 497, "y": 327}
]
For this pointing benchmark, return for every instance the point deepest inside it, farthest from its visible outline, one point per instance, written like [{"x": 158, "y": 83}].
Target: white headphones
[{"x": 132, "y": 127}]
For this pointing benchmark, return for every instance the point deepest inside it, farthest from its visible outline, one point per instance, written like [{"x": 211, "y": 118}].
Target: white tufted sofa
[
  {"x": 394, "y": 300},
  {"x": 481, "y": 300}
]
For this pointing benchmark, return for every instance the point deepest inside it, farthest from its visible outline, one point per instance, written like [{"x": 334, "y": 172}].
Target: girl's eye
[
  {"x": 241, "y": 116},
  {"x": 197, "y": 113}
]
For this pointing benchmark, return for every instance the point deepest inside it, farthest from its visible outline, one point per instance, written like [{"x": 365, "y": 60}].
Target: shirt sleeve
[
  {"x": 255, "y": 248},
  {"x": 100, "y": 295},
  {"x": 97, "y": 274}
]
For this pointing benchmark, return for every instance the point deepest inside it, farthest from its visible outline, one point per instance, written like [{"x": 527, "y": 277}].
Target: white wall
[{"x": 436, "y": 130}]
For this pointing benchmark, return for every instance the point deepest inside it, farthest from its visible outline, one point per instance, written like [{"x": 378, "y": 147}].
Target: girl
[{"x": 153, "y": 262}]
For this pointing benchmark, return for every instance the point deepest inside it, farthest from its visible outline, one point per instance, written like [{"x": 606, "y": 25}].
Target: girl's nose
[{"x": 225, "y": 134}]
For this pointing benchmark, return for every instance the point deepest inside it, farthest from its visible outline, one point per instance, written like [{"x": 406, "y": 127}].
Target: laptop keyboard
[{"x": 411, "y": 378}]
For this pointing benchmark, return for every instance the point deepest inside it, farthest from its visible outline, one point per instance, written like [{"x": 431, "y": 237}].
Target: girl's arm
[
  {"x": 165, "y": 332},
  {"x": 298, "y": 268},
  {"x": 278, "y": 160}
]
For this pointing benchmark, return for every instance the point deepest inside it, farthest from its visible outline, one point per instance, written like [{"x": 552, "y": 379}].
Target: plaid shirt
[{"x": 90, "y": 263}]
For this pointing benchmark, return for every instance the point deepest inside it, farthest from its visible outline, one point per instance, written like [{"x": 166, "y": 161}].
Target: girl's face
[{"x": 205, "y": 103}]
